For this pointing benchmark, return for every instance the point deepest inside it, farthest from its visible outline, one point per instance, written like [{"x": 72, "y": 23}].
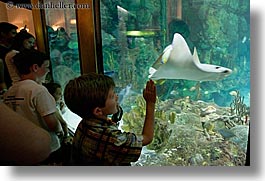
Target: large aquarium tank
[{"x": 199, "y": 121}]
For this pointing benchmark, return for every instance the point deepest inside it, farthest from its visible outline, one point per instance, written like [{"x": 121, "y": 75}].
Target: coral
[
  {"x": 239, "y": 108},
  {"x": 180, "y": 139}
]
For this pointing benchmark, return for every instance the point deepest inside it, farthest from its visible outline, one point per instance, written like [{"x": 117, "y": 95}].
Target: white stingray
[{"x": 177, "y": 62}]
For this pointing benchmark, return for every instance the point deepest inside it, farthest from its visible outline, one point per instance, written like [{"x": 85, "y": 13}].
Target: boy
[
  {"x": 97, "y": 140},
  {"x": 55, "y": 90},
  {"x": 32, "y": 100}
]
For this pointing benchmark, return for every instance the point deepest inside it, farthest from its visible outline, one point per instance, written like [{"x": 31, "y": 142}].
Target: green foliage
[
  {"x": 178, "y": 136},
  {"x": 239, "y": 108}
]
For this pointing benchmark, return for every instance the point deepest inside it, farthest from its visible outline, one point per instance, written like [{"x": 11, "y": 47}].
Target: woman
[{"x": 23, "y": 40}]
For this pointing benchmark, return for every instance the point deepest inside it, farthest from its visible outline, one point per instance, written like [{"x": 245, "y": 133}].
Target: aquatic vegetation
[
  {"x": 191, "y": 136},
  {"x": 239, "y": 108}
]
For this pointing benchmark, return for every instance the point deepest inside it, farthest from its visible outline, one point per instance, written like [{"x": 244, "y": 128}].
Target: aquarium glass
[
  {"x": 63, "y": 48},
  {"x": 198, "y": 122}
]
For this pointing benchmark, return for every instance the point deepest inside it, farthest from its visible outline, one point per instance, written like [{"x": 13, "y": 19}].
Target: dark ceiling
[{"x": 17, "y": 1}]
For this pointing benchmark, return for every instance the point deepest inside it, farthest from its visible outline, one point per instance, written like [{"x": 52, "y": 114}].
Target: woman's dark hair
[
  {"x": 6, "y": 27},
  {"x": 19, "y": 39}
]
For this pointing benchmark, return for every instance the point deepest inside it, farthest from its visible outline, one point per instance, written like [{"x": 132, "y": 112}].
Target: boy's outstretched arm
[{"x": 149, "y": 95}]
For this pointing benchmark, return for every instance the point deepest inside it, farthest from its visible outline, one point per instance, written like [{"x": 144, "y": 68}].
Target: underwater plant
[
  {"x": 239, "y": 108},
  {"x": 179, "y": 137}
]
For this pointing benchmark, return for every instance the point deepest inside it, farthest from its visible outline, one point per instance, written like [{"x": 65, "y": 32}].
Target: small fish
[
  {"x": 233, "y": 93},
  {"x": 208, "y": 110},
  {"x": 109, "y": 73},
  {"x": 174, "y": 92},
  {"x": 226, "y": 133},
  {"x": 244, "y": 39},
  {"x": 193, "y": 88}
]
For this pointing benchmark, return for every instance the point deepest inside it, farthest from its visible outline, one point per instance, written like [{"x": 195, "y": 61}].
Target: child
[
  {"x": 55, "y": 90},
  {"x": 63, "y": 155},
  {"x": 32, "y": 100},
  {"x": 97, "y": 140}
]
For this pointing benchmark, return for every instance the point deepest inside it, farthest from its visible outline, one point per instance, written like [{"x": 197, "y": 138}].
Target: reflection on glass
[
  {"x": 63, "y": 46},
  {"x": 197, "y": 122}
]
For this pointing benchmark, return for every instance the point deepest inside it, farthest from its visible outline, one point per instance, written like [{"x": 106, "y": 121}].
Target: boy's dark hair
[
  {"x": 19, "y": 39},
  {"x": 52, "y": 86},
  {"x": 86, "y": 92},
  {"x": 6, "y": 27},
  {"x": 26, "y": 58}
]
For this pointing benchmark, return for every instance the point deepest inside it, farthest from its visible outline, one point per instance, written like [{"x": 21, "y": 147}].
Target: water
[{"x": 134, "y": 35}]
